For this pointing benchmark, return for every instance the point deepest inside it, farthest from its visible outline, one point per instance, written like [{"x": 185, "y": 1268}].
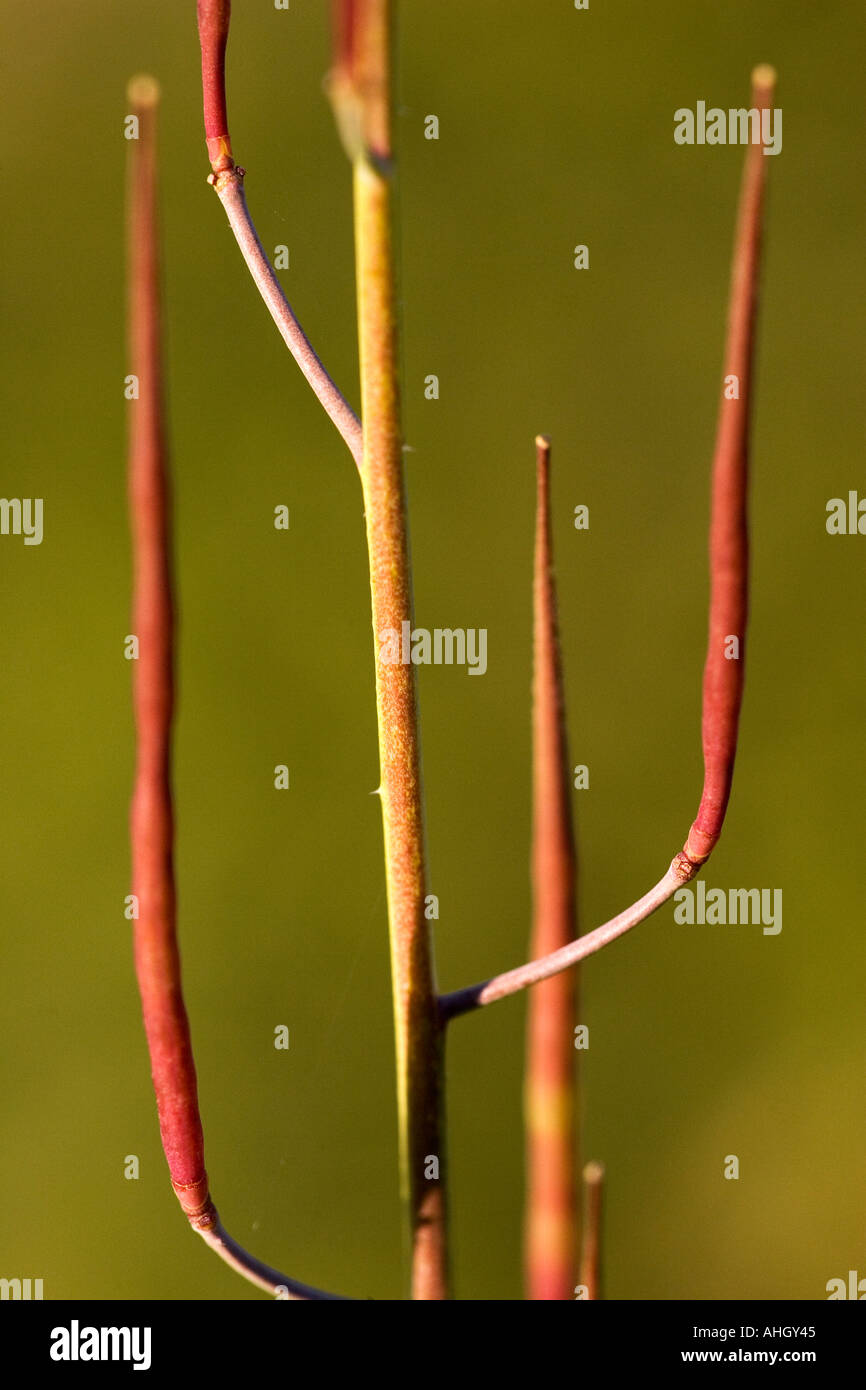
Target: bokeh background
[{"x": 556, "y": 128}]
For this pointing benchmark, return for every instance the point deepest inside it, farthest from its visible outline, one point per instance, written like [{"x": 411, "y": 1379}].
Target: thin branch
[
  {"x": 227, "y": 179},
  {"x": 157, "y": 958},
  {"x": 724, "y": 670},
  {"x": 418, "y": 1033},
  {"x": 590, "y": 1259},
  {"x": 550, "y": 1087},
  {"x": 230, "y": 190},
  {"x": 262, "y": 1275},
  {"x": 463, "y": 1001}
]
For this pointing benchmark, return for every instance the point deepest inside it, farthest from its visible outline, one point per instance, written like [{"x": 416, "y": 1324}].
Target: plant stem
[
  {"x": 418, "y": 1031},
  {"x": 227, "y": 179},
  {"x": 262, "y": 1275},
  {"x": 550, "y": 1091},
  {"x": 512, "y": 981},
  {"x": 723, "y": 675},
  {"x": 230, "y": 190},
  {"x": 419, "y": 1039},
  {"x": 157, "y": 958}
]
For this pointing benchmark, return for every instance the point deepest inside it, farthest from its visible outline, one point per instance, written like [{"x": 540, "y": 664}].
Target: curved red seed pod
[
  {"x": 724, "y": 670},
  {"x": 157, "y": 961}
]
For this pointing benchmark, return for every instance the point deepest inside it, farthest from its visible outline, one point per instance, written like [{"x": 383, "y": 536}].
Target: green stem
[{"x": 418, "y": 1031}]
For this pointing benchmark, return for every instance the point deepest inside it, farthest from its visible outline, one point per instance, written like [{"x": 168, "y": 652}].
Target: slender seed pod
[
  {"x": 724, "y": 672},
  {"x": 157, "y": 959},
  {"x": 550, "y": 1235}
]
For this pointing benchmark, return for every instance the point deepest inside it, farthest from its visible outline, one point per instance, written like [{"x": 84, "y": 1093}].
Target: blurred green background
[{"x": 556, "y": 128}]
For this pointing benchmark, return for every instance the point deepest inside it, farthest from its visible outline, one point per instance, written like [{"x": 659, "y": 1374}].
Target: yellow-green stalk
[{"x": 360, "y": 91}]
